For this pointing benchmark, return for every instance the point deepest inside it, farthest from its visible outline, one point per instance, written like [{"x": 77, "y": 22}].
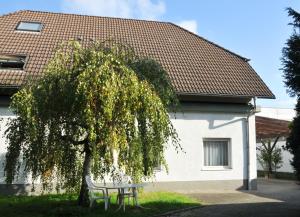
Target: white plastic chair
[
  {"x": 125, "y": 192},
  {"x": 94, "y": 189}
]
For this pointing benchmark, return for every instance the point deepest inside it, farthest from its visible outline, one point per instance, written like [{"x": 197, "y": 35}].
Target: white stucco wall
[
  {"x": 277, "y": 113},
  {"x": 5, "y": 115},
  {"x": 192, "y": 128},
  {"x": 286, "y": 157}
]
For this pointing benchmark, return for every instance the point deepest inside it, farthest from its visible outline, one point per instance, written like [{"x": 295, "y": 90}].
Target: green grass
[{"x": 65, "y": 206}]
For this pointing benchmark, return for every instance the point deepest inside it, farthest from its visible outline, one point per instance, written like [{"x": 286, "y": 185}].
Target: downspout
[
  {"x": 251, "y": 112},
  {"x": 248, "y": 187}
]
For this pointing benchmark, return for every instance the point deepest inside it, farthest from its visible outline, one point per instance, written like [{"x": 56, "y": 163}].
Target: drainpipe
[
  {"x": 248, "y": 187},
  {"x": 251, "y": 112}
]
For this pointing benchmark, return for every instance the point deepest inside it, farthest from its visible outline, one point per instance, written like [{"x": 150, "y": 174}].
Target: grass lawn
[{"x": 65, "y": 206}]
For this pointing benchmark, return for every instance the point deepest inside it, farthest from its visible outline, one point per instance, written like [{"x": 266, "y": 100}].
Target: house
[
  {"x": 215, "y": 87},
  {"x": 270, "y": 124}
]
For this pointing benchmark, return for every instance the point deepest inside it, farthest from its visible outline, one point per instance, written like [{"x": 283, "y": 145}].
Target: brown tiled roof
[
  {"x": 195, "y": 65},
  {"x": 271, "y": 128}
]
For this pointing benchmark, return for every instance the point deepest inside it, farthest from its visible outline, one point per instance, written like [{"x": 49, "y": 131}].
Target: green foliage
[
  {"x": 291, "y": 69},
  {"x": 293, "y": 142},
  {"x": 65, "y": 206},
  {"x": 90, "y": 103},
  {"x": 148, "y": 69},
  {"x": 291, "y": 57},
  {"x": 296, "y": 17},
  {"x": 270, "y": 156},
  {"x": 277, "y": 158}
]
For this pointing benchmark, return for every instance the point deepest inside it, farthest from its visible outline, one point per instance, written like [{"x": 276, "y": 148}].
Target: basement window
[
  {"x": 12, "y": 62},
  {"x": 29, "y": 26}
]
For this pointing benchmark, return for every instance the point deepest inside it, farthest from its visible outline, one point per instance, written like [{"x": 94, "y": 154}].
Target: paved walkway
[{"x": 273, "y": 198}]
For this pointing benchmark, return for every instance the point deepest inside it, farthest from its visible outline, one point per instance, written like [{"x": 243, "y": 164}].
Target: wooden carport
[{"x": 268, "y": 128}]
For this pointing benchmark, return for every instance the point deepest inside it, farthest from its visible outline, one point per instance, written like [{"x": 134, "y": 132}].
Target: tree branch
[
  {"x": 75, "y": 123},
  {"x": 276, "y": 140},
  {"x": 69, "y": 138},
  {"x": 263, "y": 144}
]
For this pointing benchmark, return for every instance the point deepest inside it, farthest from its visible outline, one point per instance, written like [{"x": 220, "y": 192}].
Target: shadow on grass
[{"x": 66, "y": 206}]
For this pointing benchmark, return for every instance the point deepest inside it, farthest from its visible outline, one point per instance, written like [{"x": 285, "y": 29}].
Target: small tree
[
  {"x": 270, "y": 157},
  {"x": 90, "y": 103},
  {"x": 291, "y": 70},
  {"x": 277, "y": 159}
]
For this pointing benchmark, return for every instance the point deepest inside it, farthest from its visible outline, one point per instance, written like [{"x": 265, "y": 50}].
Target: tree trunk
[
  {"x": 83, "y": 199},
  {"x": 270, "y": 171}
]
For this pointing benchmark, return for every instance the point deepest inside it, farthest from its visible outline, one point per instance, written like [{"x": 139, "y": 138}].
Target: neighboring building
[
  {"x": 215, "y": 87},
  {"x": 273, "y": 122}
]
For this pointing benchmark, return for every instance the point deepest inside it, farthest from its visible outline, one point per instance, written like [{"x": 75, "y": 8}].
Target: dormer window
[
  {"x": 29, "y": 26},
  {"x": 12, "y": 62}
]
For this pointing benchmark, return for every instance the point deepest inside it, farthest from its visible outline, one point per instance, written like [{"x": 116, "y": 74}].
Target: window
[
  {"x": 12, "y": 62},
  {"x": 216, "y": 153},
  {"x": 29, "y": 26},
  {"x": 158, "y": 165}
]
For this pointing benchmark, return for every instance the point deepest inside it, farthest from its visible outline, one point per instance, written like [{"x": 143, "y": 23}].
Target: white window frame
[
  {"x": 158, "y": 168},
  {"x": 227, "y": 167},
  {"x": 19, "y": 29},
  {"x": 21, "y": 56}
]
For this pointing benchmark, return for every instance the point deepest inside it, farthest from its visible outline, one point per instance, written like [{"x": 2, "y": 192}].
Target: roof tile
[{"x": 194, "y": 64}]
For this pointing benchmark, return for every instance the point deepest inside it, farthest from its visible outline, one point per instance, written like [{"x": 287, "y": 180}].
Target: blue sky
[{"x": 256, "y": 29}]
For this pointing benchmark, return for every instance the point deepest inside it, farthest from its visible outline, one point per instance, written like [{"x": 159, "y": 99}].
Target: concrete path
[{"x": 273, "y": 198}]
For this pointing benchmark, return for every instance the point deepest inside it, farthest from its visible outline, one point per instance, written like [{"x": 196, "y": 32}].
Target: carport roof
[{"x": 271, "y": 128}]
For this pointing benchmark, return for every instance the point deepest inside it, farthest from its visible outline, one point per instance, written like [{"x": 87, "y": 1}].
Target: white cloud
[
  {"x": 142, "y": 9},
  {"x": 150, "y": 10},
  {"x": 190, "y": 25}
]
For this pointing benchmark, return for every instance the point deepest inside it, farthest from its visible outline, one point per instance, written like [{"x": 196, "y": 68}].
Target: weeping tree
[
  {"x": 91, "y": 103},
  {"x": 291, "y": 70}
]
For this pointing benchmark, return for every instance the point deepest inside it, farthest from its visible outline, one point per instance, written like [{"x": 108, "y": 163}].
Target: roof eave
[
  {"x": 182, "y": 93},
  {"x": 225, "y": 95}
]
